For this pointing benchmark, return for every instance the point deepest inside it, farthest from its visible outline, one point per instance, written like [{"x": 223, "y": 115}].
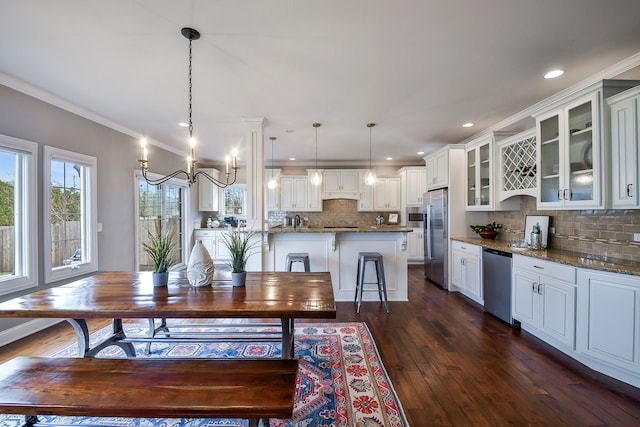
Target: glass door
[
  {"x": 485, "y": 174},
  {"x": 580, "y": 137},
  {"x": 471, "y": 177},
  {"x": 550, "y": 159}
]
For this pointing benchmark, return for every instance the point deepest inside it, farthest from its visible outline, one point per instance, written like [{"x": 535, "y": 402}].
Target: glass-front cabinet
[
  {"x": 569, "y": 152},
  {"x": 479, "y": 180}
]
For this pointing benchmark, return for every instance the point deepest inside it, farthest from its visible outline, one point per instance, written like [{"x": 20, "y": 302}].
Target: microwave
[{"x": 415, "y": 217}]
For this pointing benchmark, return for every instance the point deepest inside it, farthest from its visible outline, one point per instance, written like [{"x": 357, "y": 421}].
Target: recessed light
[
  {"x": 292, "y": 158},
  {"x": 553, "y": 74},
  {"x": 183, "y": 124},
  {"x": 467, "y": 125},
  {"x": 420, "y": 153},
  {"x": 389, "y": 158}
]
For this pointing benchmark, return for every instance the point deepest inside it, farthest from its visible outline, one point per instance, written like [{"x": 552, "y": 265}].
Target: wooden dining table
[{"x": 131, "y": 295}]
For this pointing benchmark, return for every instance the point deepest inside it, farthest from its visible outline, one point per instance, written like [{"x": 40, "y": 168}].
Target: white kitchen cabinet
[
  {"x": 293, "y": 192},
  {"x": 272, "y": 195},
  {"x": 340, "y": 181},
  {"x": 609, "y": 319},
  {"x": 625, "y": 156},
  {"x": 544, "y": 299},
  {"x": 480, "y": 176},
  {"x": 437, "y": 169},
  {"x": 517, "y": 166},
  {"x": 213, "y": 241},
  {"x": 207, "y": 191},
  {"x": 314, "y": 200},
  {"x": 414, "y": 184},
  {"x": 466, "y": 275},
  {"x": 415, "y": 245},
  {"x": 386, "y": 194}
]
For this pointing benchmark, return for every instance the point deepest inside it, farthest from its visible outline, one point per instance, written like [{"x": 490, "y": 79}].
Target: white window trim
[
  {"x": 187, "y": 227},
  {"x": 89, "y": 231},
  {"x": 244, "y": 201},
  {"x": 25, "y": 192}
]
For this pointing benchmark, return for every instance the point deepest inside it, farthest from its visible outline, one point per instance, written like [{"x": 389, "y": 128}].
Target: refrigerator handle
[{"x": 428, "y": 236}]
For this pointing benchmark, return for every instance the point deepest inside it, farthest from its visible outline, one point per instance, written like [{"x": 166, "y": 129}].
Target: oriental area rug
[{"x": 341, "y": 379}]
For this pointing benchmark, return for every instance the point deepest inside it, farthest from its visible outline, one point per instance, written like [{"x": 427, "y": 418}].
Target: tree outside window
[{"x": 234, "y": 201}]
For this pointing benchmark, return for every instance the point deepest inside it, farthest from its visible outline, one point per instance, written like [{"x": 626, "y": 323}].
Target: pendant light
[
  {"x": 370, "y": 176},
  {"x": 316, "y": 176},
  {"x": 272, "y": 181}
]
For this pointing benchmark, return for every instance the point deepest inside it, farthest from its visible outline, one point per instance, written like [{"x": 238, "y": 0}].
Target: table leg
[
  {"x": 82, "y": 334},
  {"x": 153, "y": 330},
  {"x": 287, "y": 337}
]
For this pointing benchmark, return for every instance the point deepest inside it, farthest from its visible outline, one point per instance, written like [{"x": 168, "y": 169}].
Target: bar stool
[
  {"x": 302, "y": 257},
  {"x": 363, "y": 259}
]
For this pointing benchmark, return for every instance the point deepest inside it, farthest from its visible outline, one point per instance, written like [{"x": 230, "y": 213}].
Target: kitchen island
[{"x": 335, "y": 249}]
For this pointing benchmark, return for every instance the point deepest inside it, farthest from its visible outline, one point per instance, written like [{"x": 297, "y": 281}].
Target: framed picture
[
  {"x": 543, "y": 221},
  {"x": 393, "y": 218}
]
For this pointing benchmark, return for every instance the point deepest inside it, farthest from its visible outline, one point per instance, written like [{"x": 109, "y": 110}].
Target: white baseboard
[{"x": 24, "y": 329}]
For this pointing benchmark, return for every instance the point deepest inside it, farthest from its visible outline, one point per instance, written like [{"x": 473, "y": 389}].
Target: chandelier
[{"x": 191, "y": 173}]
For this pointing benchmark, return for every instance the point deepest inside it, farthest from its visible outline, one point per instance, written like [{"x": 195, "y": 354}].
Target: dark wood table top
[{"x": 132, "y": 295}]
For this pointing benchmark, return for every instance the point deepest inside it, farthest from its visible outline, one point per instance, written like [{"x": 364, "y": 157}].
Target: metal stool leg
[
  {"x": 361, "y": 273},
  {"x": 382, "y": 283}
]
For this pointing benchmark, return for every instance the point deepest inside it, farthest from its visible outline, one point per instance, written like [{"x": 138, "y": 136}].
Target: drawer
[
  {"x": 466, "y": 248},
  {"x": 547, "y": 268},
  {"x": 205, "y": 234}
]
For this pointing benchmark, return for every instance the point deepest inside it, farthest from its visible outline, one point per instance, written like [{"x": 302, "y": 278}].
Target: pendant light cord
[{"x": 190, "y": 94}]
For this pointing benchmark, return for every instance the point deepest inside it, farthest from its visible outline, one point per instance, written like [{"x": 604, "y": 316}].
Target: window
[
  {"x": 18, "y": 219},
  {"x": 69, "y": 214},
  {"x": 161, "y": 207},
  {"x": 234, "y": 200}
]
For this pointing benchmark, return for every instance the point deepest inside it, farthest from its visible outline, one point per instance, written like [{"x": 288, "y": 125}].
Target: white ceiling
[{"x": 417, "y": 68}]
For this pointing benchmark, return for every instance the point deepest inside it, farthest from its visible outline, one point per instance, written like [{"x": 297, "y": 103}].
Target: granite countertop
[
  {"x": 575, "y": 259},
  {"x": 321, "y": 229}
]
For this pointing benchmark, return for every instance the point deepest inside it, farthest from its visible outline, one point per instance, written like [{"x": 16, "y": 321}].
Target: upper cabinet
[
  {"x": 517, "y": 168},
  {"x": 365, "y": 204},
  {"x": 569, "y": 153},
  {"x": 207, "y": 191},
  {"x": 414, "y": 184},
  {"x": 272, "y": 195},
  {"x": 625, "y": 156},
  {"x": 573, "y": 139},
  {"x": 480, "y": 176},
  {"x": 437, "y": 169},
  {"x": 340, "y": 181},
  {"x": 293, "y": 195},
  {"x": 386, "y": 194}
]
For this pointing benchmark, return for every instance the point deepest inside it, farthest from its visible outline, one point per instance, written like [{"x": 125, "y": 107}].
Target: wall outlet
[{"x": 636, "y": 237}]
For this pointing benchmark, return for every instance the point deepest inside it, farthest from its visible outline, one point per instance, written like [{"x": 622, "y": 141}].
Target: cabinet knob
[
  {"x": 533, "y": 287},
  {"x": 629, "y": 186}
]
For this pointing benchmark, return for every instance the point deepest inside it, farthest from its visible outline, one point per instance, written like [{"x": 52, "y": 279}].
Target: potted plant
[
  {"x": 489, "y": 231},
  {"x": 240, "y": 247},
  {"x": 160, "y": 249}
]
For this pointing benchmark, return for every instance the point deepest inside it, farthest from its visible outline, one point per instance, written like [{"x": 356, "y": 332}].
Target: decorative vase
[
  {"x": 200, "y": 266},
  {"x": 160, "y": 279},
  {"x": 239, "y": 279},
  {"x": 488, "y": 234}
]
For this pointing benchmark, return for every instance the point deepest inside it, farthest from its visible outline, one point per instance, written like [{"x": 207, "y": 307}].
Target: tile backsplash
[
  {"x": 335, "y": 212},
  {"x": 604, "y": 233}
]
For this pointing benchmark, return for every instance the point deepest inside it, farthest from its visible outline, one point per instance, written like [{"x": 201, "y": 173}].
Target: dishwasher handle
[{"x": 497, "y": 252}]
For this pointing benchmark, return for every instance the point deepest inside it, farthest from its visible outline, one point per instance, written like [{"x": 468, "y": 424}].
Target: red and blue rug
[{"x": 341, "y": 381}]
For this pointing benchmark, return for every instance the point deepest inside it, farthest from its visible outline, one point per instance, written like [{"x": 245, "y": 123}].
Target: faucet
[{"x": 297, "y": 221}]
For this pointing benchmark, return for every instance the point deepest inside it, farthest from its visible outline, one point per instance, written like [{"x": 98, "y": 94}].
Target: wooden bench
[{"x": 148, "y": 388}]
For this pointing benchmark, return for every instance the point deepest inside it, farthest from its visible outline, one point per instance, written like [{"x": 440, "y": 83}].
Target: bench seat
[{"x": 149, "y": 388}]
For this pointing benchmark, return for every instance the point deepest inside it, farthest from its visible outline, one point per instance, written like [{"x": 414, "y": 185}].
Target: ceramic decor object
[{"x": 200, "y": 267}]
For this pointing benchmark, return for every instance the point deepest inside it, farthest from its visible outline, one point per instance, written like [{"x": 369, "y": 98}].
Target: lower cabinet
[
  {"x": 415, "y": 245},
  {"x": 544, "y": 298},
  {"x": 466, "y": 275},
  {"x": 213, "y": 240},
  {"x": 609, "y": 319}
]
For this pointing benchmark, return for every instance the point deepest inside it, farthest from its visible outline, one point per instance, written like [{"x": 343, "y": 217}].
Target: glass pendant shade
[
  {"x": 272, "y": 182},
  {"x": 370, "y": 177},
  {"x": 316, "y": 178}
]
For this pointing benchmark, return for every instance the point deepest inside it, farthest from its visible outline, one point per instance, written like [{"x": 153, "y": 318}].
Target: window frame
[
  {"x": 25, "y": 216},
  {"x": 222, "y": 199},
  {"x": 186, "y": 218},
  {"x": 88, "y": 196}
]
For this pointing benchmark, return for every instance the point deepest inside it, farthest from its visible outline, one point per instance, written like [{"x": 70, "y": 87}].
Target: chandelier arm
[
  {"x": 164, "y": 178},
  {"x": 217, "y": 182}
]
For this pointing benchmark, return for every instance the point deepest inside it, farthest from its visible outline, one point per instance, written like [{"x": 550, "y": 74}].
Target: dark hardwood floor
[{"x": 451, "y": 364}]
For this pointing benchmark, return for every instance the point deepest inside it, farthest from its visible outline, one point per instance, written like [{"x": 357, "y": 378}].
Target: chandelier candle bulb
[{"x": 143, "y": 149}]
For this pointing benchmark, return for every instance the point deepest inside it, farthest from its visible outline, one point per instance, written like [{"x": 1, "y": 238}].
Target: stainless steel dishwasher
[{"x": 496, "y": 283}]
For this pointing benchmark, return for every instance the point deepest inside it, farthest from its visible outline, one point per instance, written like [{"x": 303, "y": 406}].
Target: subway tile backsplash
[{"x": 603, "y": 233}]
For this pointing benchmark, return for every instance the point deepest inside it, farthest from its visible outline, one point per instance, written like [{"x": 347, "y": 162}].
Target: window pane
[
  {"x": 66, "y": 213},
  {"x": 233, "y": 201},
  {"x": 7, "y": 215}
]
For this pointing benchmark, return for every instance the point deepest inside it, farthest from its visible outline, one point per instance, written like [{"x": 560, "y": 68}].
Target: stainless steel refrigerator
[{"x": 435, "y": 206}]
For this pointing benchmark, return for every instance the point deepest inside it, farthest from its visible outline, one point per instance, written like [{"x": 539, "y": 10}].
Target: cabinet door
[
  {"x": 442, "y": 170},
  {"x": 314, "y": 203},
  {"x": 210, "y": 246},
  {"x": 272, "y": 195},
  {"x": 472, "y": 177},
  {"x": 551, "y": 158},
  {"x": 294, "y": 193},
  {"x": 524, "y": 304},
  {"x": 582, "y": 152},
  {"x": 558, "y": 312},
  {"x": 365, "y": 204},
  {"x": 624, "y": 154},
  {"x": 457, "y": 269},
  {"x": 207, "y": 192},
  {"x": 222, "y": 251},
  {"x": 331, "y": 181},
  {"x": 609, "y": 318},
  {"x": 349, "y": 181},
  {"x": 415, "y": 245},
  {"x": 472, "y": 276},
  {"x": 416, "y": 186},
  {"x": 392, "y": 193}
]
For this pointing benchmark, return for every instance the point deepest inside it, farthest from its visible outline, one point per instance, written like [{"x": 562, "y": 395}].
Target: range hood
[{"x": 340, "y": 195}]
